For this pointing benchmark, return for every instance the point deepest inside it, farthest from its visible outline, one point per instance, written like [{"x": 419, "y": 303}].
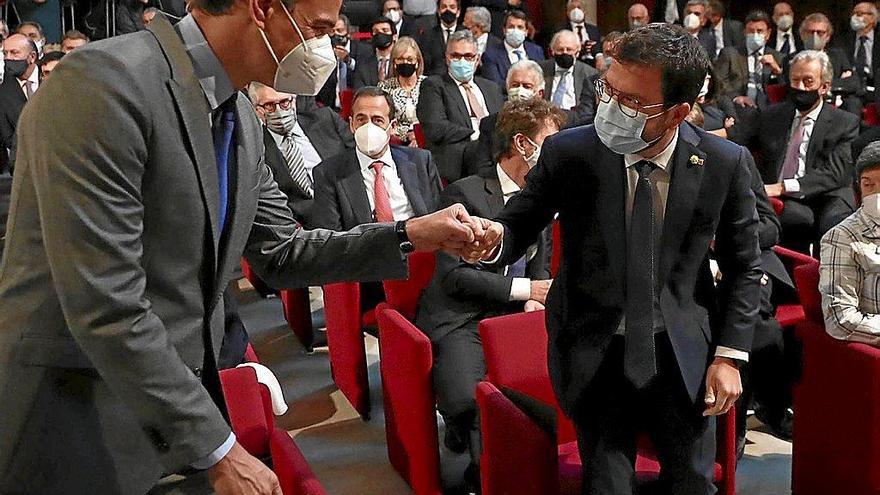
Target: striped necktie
[{"x": 296, "y": 164}]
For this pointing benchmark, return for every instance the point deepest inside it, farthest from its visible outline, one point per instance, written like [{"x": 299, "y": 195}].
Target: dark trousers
[
  {"x": 613, "y": 413},
  {"x": 459, "y": 366},
  {"x": 804, "y": 222}
]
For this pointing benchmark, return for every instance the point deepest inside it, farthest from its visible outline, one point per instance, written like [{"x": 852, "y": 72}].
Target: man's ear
[
  {"x": 681, "y": 111},
  {"x": 260, "y": 11}
]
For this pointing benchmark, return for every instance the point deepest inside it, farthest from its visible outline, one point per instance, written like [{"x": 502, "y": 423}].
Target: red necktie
[{"x": 380, "y": 195}]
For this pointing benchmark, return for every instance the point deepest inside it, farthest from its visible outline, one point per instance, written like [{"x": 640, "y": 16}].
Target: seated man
[
  {"x": 850, "y": 270},
  {"x": 432, "y": 42},
  {"x": 377, "y": 65},
  {"x": 460, "y": 294},
  {"x": 297, "y": 135},
  {"x": 861, "y": 49},
  {"x": 451, "y": 106},
  {"x": 570, "y": 82},
  {"x": 498, "y": 57},
  {"x": 743, "y": 74},
  {"x": 348, "y": 52},
  {"x": 803, "y": 153}
]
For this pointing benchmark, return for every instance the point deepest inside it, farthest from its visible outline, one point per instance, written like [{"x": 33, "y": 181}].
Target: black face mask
[
  {"x": 338, "y": 40},
  {"x": 802, "y": 99},
  {"x": 448, "y": 17},
  {"x": 564, "y": 60},
  {"x": 382, "y": 40},
  {"x": 15, "y": 68},
  {"x": 405, "y": 70}
]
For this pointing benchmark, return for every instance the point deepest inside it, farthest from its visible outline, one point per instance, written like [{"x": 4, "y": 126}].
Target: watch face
[{"x": 407, "y": 247}]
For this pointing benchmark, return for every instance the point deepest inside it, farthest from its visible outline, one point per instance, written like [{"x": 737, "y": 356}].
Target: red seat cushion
[
  {"x": 369, "y": 318},
  {"x": 789, "y": 315}
]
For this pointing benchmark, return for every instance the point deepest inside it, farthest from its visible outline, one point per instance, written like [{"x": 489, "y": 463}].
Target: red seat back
[
  {"x": 806, "y": 279},
  {"x": 776, "y": 92},
  {"x": 298, "y": 314},
  {"x": 420, "y": 135},
  {"x": 556, "y": 255},
  {"x": 261, "y": 287},
  {"x": 362, "y": 36},
  {"x": 777, "y": 205},
  {"x": 250, "y": 412},
  {"x": 870, "y": 115},
  {"x": 345, "y": 339},
  {"x": 403, "y": 295},
  {"x": 346, "y": 98}
]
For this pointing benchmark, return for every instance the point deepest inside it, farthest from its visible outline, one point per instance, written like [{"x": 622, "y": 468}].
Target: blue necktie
[
  {"x": 224, "y": 128},
  {"x": 561, "y": 89}
]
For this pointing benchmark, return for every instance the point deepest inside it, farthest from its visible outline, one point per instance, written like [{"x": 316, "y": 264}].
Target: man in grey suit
[
  {"x": 569, "y": 83},
  {"x": 124, "y": 230}
]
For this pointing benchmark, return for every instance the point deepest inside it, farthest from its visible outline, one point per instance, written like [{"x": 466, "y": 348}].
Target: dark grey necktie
[{"x": 641, "y": 262}]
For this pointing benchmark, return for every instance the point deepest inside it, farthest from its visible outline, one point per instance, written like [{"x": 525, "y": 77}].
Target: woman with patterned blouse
[
  {"x": 850, "y": 269},
  {"x": 408, "y": 66}
]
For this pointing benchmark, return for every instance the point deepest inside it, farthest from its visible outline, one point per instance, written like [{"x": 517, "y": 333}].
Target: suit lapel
[
  {"x": 580, "y": 77},
  {"x": 820, "y": 128},
  {"x": 611, "y": 207},
  {"x": 492, "y": 105},
  {"x": 454, "y": 96},
  {"x": 684, "y": 188},
  {"x": 353, "y": 187},
  {"x": 786, "y": 118},
  {"x": 495, "y": 198},
  {"x": 408, "y": 174}
]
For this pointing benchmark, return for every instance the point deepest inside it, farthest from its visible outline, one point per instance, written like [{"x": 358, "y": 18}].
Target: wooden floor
[{"x": 348, "y": 454}]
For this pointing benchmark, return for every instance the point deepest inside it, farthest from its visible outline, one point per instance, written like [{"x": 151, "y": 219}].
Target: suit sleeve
[
  {"x": 834, "y": 167},
  {"x": 325, "y": 209},
  {"x": 585, "y": 111},
  {"x": 768, "y": 223},
  {"x": 432, "y": 113},
  {"x": 725, "y": 83},
  {"x": 432, "y": 199},
  {"x": 88, "y": 188},
  {"x": 490, "y": 69},
  {"x": 739, "y": 260},
  {"x": 343, "y": 130}
]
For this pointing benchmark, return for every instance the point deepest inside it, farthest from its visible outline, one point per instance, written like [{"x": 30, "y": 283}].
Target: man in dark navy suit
[
  {"x": 498, "y": 57},
  {"x": 640, "y": 197}
]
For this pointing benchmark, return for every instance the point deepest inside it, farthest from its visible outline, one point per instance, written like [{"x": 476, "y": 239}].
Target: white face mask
[
  {"x": 691, "y": 22},
  {"x": 621, "y": 133},
  {"x": 857, "y": 23},
  {"x": 520, "y": 93},
  {"x": 871, "y": 205},
  {"x": 393, "y": 15},
  {"x": 532, "y": 159},
  {"x": 371, "y": 139},
  {"x": 305, "y": 69},
  {"x": 576, "y": 15},
  {"x": 784, "y": 22}
]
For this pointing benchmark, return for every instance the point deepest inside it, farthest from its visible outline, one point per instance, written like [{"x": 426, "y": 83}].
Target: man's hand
[
  {"x": 744, "y": 101},
  {"x": 539, "y": 290},
  {"x": 729, "y": 122},
  {"x": 485, "y": 247},
  {"x": 533, "y": 306},
  {"x": 240, "y": 473},
  {"x": 723, "y": 386},
  {"x": 341, "y": 53},
  {"x": 450, "y": 229},
  {"x": 770, "y": 62},
  {"x": 774, "y": 190},
  {"x": 845, "y": 74}
]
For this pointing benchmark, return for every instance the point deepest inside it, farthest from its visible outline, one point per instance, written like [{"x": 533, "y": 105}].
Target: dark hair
[
  {"x": 384, "y": 20},
  {"x": 73, "y": 34},
  {"x": 868, "y": 159},
  {"x": 218, "y": 7},
  {"x": 758, "y": 16},
  {"x": 525, "y": 117},
  {"x": 717, "y": 7},
  {"x": 375, "y": 91},
  {"x": 516, "y": 14},
  {"x": 680, "y": 57},
  {"x": 50, "y": 57}
]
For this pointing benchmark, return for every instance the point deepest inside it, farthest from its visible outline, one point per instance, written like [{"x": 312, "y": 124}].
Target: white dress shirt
[
  {"x": 400, "y": 207},
  {"x": 780, "y": 40},
  {"x": 793, "y": 186},
  {"x": 481, "y": 43},
  {"x": 719, "y": 37},
  {"x": 869, "y": 49},
  {"x": 670, "y": 14},
  {"x": 520, "y": 287},
  {"x": 750, "y": 58},
  {"x": 511, "y": 55},
  {"x": 34, "y": 80},
  {"x": 568, "y": 100},
  {"x": 660, "y": 181},
  {"x": 475, "y": 122},
  {"x": 310, "y": 155},
  {"x": 585, "y": 36},
  {"x": 444, "y": 29}
]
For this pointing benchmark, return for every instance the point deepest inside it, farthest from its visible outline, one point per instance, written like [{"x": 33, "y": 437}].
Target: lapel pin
[{"x": 695, "y": 160}]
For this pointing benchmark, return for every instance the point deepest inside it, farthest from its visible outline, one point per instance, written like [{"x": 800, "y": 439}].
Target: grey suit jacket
[
  {"x": 111, "y": 312},
  {"x": 732, "y": 72},
  {"x": 584, "y": 91}
]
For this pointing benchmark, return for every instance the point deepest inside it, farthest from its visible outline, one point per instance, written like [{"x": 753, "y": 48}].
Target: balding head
[
  {"x": 564, "y": 40},
  {"x": 637, "y": 16},
  {"x": 20, "y": 47}
]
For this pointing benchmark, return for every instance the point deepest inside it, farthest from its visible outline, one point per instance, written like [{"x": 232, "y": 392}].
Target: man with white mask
[
  {"x": 785, "y": 39},
  {"x": 694, "y": 22},
  {"x": 744, "y": 73},
  {"x": 126, "y": 231}
]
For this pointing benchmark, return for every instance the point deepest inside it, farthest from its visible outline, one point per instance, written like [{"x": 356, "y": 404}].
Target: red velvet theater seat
[
  {"x": 250, "y": 413},
  {"x": 410, "y": 418},
  {"x": 836, "y": 447},
  {"x": 298, "y": 314},
  {"x": 403, "y": 295},
  {"x": 522, "y": 457},
  {"x": 791, "y": 313},
  {"x": 261, "y": 287}
]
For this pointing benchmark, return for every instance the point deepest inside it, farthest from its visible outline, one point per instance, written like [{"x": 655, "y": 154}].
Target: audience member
[
  {"x": 451, "y": 106},
  {"x": 4, "y": 30},
  {"x": 404, "y": 87},
  {"x": 861, "y": 51},
  {"x": 479, "y": 22},
  {"x": 608, "y": 42},
  {"x": 48, "y": 62},
  {"x": 588, "y": 34},
  {"x": 34, "y": 31},
  {"x": 497, "y": 10},
  {"x": 130, "y": 16},
  {"x": 784, "y": 40},
  {"x": 72, "y": 40},
  {"x": 637, "y": 16},
  {"x": 148, "y": 15},
  {"x": 460, "y": 294},
  {"x": 695, "y": 24},
  {"x": 420, "y": 15},
  {"x": 297, "y": 135},
  {"x": 498, "y": 58},
  {"x": 743, "y": 74},
  {"x": 392, "y": 10},
  {"x": 728, "y": 32},
  {"x": 803, "y": 152},
  {"x": 21, "y": 80},
  {"x": 568, "y": 81},
  {"x": 433, "y": 41},
  {"x": 377, "y": 66},
  {"x": 348, "y": 53},
  {"x": 849, "y": 273},
  {"x": 668, "y": 11}
]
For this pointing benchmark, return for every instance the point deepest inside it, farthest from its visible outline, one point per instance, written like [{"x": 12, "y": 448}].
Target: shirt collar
[
  {"x": 212, "y": 76},
  {"x": 782, "y": 33},
  {"x": 365, "y": 161},
  {"x": 870, "y": 36},
  {"x": 574, "y": 26},
  {"x": 511, "y": 49},
  {"x": 814, "y": 114},
  {"x": 508, "y": 186},
  {"x": 660, "y": 159}
]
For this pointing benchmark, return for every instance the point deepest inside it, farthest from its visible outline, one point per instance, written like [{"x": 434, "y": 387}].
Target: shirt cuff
[
  {"x": 792, "y": 186},
  {"x": 475, "y": 135},
  {"x": 214, "y": 457},
  {"x": 727, "y": 352},
  {"x": 520, "y": 289}
]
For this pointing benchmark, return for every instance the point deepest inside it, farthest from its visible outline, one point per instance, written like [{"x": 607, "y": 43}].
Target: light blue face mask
[
  {"x": 754, "y": 41},
  {"x": 515, "y": 37},
  {"x": 461, "y": 70},
  {"x": 621, "y": 133}
]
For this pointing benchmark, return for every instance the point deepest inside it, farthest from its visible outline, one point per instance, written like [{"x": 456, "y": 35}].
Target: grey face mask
[
  {"x": 281, "y": 121},
  {"x": 621, "y": 133}
]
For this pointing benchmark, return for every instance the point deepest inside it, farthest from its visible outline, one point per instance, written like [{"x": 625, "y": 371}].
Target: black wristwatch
[{"x": 406, "y": 246}]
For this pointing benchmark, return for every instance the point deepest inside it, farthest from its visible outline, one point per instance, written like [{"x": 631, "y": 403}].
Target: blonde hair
[{"x": 403, "y": 44}]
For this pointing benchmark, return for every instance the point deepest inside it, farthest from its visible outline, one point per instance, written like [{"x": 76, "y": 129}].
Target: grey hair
[
  {"x": 461, "y": 35},
  {"x": 704, "y": 3},
  {"x": 481, "y": 17},
  {"x": 253, "y": 88},
  {"x": 529, "y": 65},
  {"x": 561, "y": 33},
  {"x": 868, "y": 159},
  {"x": 816, "y": 17},
  {"x": 816, "y": 56}
]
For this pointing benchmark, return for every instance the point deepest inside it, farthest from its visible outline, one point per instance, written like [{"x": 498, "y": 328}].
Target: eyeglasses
[
  {"x": 284, "y": 104},
  {"x": 470, "y": 57},
  {"x": 628, "y": 105}
]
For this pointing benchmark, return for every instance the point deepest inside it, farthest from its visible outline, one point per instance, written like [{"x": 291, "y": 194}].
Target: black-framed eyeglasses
[
  {"x": 284, "y": 104},
  {"x": 629, "y": 105}
]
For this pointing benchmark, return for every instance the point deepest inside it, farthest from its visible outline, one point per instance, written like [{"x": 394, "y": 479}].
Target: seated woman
[
  {"x": 850, "y": 266},
  {"x": 408, "y": 66}
]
